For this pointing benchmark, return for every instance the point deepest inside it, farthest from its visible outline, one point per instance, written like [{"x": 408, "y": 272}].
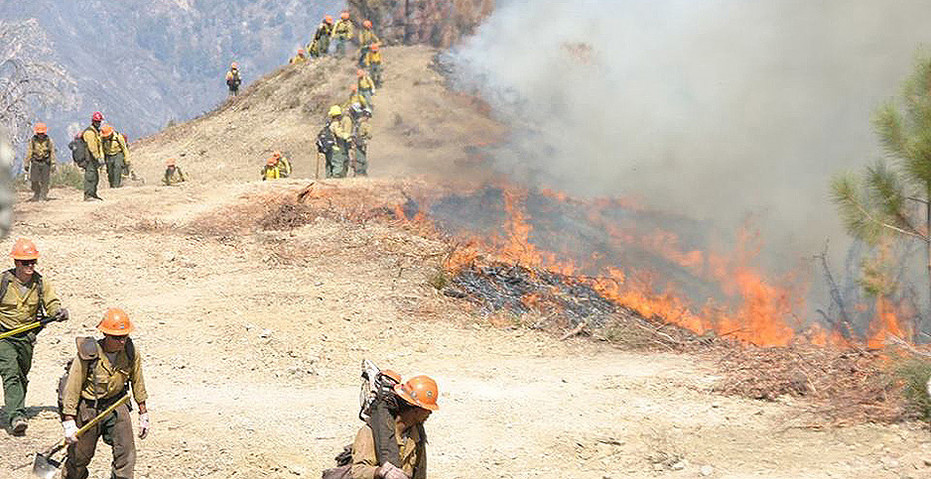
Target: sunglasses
[
  {"x": 27, "y": 262},
  {"x": 117, "y": 338}
]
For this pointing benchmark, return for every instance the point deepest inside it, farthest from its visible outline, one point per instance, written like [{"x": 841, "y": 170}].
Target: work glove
[
  {"x": 390, "y": 471},
  {"x": 71, "y": 431},
  {"x": 62, "y": 315},
  {"x": 143, "y": 425},
  {"x": 26, "y": 166}
]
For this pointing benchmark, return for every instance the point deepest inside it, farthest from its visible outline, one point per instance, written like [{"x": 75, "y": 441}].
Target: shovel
[
  {"x": 28, "y": 327},
  {"x": 46, "y": 467}
]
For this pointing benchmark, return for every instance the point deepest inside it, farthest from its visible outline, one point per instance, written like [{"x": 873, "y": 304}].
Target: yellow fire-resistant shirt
[
  {"x": 366, "y": 83},
  {"x": 364, "y": 462},
  {"x": 115, "y": 144},
  {"x": 173, "y": 176},
  {"x": 19, "y": 309},
  {"x": 373, "y": 58},
  {"x": 367, "y": 37},
  {"x": 41, "y": 150},
  {"x": 297, "y": 59},
  {"x": 106, "y": 381},
  {"x": 355, "y": 98},
  {"x": 270, "y": 173},
  {"x": 94, "y": 144},
  {"x": 343, "y": 29}
]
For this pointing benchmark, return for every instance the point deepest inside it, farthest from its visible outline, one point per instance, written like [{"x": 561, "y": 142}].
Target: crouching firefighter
[
  {"x": 393, "y": 443},
  {"x": 103, "y": 373},
  {"x": 27, "y": 303}
]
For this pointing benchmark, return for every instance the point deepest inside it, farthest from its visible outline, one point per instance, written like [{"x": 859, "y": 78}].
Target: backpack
[
  {"x": 79, "y": 151},
  {"x": 378, "y": 407},
  {"x": 325, "y": 139},
  {"x": 87, "y": 351}
]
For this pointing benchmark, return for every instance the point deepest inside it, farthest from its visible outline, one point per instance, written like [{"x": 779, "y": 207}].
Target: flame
[{"x": 753, "y": 307}]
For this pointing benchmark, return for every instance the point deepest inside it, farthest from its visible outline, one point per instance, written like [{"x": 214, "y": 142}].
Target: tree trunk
[{"x": 928, "y": 249}]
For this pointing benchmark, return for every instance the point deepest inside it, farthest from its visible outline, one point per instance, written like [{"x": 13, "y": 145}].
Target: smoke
[{"x": 720, "y": 110}]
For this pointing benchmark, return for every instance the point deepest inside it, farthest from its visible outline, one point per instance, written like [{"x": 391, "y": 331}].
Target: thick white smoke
[{"x": 718, "y": 109}]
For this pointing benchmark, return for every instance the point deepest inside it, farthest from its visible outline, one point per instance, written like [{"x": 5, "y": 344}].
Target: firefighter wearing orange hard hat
[
  {"x": 27, "y": 302},
  {"x": 301, "y": 57},
  {"x": 173, "y": 174},
  {"x": 270, "y": 171},
  {"x": 373, "y": 63},
  {"x": 102, "y": 373},
  {"x": 40, "y": 161},
  {"x": 320, "y": 45},
  {"x": 343, "y": 32},
  {"x": 116, "y": 155},
  {"x": 367, "y": 38},
  {"x": 416, "y": 400}
]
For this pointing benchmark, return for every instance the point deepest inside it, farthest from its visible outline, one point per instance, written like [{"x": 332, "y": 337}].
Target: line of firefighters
[
  {"x": 98, "y": 146},
  {"x": 343, "y": 142},
  {"x": 105, "y": 370}
]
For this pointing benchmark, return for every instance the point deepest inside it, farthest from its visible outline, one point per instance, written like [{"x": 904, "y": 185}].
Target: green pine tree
[{"x": 890, "y": 200}]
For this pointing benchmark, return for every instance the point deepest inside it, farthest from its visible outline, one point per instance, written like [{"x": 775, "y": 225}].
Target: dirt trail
[{"x": 252, "y": 340}]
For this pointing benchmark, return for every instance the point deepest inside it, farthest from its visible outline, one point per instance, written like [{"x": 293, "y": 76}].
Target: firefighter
[
  {"x": 104, "y": 371},
  {"x": 40, "y": 161},
  {"x": 25, "y": 297},
  {"x": 116, "y": 155},
  {"x": 340, "y": 127},
  {"x": 270, "y": 171},
  {"x": 366, "y": 87},
  {"x": 355, "y": 98},
  {"x": 417, "y": 401},
  {"x": 361, "y": 134},
  {"x": 373, "y": 63},
  {"x": 284, "y": 164},
  {"x": 173, "y": 174},
  {"x": 321, "y": 42},
  {"x": 299, "y": 58},
  {"x": 94, "y": 155},
  {"x": 233, "y": 79},
  {"x": 367, "y": 38},
  {"x": 343, "y": 32}
]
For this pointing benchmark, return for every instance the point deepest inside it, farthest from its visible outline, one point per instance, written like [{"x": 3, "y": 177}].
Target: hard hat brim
[{"x": 402, "y": 393}]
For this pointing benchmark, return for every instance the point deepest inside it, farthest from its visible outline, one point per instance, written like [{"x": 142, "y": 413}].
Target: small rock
[
  {"x": 679, "y": 465},
  {"x": 715, "y": 405},
  {"x": 928, "y": 462},
  {"x": 889, "y": 463},
  {"x": 266, "y": 333},
  {"x": 706, "y": 471}
]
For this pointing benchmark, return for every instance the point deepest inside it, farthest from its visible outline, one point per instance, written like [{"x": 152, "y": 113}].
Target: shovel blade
[{"x": 45, "y": 467}]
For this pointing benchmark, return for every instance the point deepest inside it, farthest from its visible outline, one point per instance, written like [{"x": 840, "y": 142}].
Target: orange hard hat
[
  {"x": 344, "y": 15},
  {"x": 374, "y": 47},
  {"x": 360, "y": 73},
  {"x": 234, "y": 65},
  {"x": 354, "y": 87},
  {"x": 367, "y": 24},
  {"x": 271, "y": 161},
  {"x": 276, "y": 154},
  {"x": 300, "y": 51},
  {"x": 328, "y": 19},
  {"x": 106, "y": 130},
  {"x": 419, "y": 391},
  {"x": 392, "y": 374},
  {"x": 24, "y": 249},
  {"x": 97, "y": 116},
  {"x": 115, "y": 322},
  {"x": 40, "y": 129},
  {"x": 170, "y": 162}
]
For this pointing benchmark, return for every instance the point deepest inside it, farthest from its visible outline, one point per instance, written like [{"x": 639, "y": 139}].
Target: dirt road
[{"x": 251, "y": 353}]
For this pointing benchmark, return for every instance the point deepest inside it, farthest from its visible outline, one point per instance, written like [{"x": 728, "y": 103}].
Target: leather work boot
[{"x": 19, "y": 426}]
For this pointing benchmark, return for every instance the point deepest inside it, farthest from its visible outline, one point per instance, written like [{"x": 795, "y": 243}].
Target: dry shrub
[
  {"x": 846, "y": 386},
  {"x": 286, "y": 216},
  {"x": 913, "y": 373}
]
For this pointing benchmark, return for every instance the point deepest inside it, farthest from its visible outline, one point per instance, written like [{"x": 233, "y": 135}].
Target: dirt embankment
[{"x": 253, "y": 318}]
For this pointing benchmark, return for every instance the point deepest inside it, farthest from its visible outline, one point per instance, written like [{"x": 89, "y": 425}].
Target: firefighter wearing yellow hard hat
[
  {"x": 25, "y": 299},
  {"x": 103, "y": 372},
  {"x": 340, "y": 126}
]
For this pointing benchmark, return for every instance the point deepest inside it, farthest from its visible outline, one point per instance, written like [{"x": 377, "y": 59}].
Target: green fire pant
[
  {"x": 339, "y": 161},
  {"x": 115, "y": 166},
  {"x": 91, "y": 178},
  {"x": 15, "y": 362},
  {"x": 361, "y": 166},
  {"x": 39, "y": 173}
]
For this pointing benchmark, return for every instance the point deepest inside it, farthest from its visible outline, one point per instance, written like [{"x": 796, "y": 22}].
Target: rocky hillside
[
  {"x": 144, "y": 63},
  {"x": 434, "y": 22}
]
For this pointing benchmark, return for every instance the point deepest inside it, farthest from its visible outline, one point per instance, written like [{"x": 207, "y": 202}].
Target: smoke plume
[{"x": 721, "y": 110}]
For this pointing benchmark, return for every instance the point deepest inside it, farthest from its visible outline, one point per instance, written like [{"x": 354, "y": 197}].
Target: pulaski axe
[{"x": 46, "y": 467}]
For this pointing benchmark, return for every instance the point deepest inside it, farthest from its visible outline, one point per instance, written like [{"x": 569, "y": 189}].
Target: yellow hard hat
[{"x": 335, "y": 110}]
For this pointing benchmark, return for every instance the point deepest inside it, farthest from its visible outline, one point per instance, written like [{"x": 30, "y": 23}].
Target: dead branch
[{"x": 576, "y": 330}]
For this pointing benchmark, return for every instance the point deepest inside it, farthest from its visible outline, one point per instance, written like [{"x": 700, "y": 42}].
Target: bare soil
[{"x": 252, "y": 336}]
